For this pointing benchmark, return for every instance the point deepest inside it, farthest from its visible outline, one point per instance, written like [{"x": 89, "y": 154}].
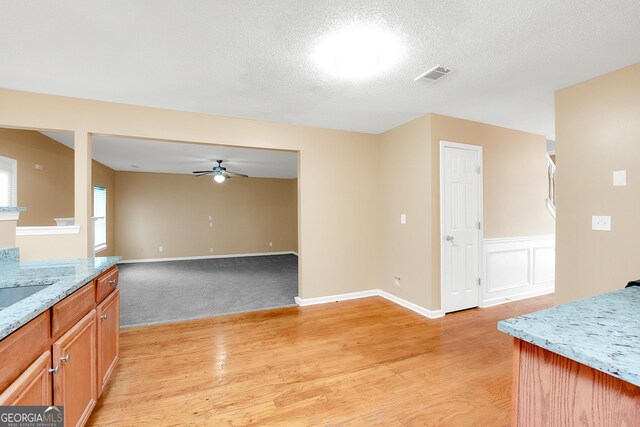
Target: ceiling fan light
[{"x": 219, "y": 178}]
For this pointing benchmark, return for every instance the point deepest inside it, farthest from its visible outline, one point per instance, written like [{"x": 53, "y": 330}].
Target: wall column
[{"x": 83, "y": 191}]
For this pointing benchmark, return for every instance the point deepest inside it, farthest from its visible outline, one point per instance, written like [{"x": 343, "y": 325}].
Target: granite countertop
[
  {"x": 62, "y": 277},
  {"x": 602, "y": 332},
  {"x": 12, "y": 209}
]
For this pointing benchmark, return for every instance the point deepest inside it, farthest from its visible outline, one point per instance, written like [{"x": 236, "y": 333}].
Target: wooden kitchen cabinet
[
  {"x": 65, "y": 355},
  {"x": 108, "y": 318},
  {"x": 33, "y": 387},
  {"x": 75, "y": 383}
]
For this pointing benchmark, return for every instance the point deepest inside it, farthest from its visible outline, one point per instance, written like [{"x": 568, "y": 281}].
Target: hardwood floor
[{"x": 359, "y": 362}]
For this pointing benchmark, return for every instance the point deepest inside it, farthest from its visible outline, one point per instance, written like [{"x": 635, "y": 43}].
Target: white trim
[
  {"x": 100, "y": 248},
  {"x": 517, "y": 268},
  {"x": 517, "y": 297},
  {"x": 9, "y": 215},
  {"x": 336, "y": 298},
  {"x": 431, "y": 314},
  {"x": 478, "y": 149},
  {"x": 491, "y": 240},
  {"x": 13, "y": 168},
  {"x": 295, "y": 253},
  {"x": 130, "y": 261},
  {"x": 551, "y": 153},
  {"x": 47, "y": 230}
]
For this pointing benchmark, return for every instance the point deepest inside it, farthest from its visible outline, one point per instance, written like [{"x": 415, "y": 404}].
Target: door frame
[{"x": 478, "y": 149}]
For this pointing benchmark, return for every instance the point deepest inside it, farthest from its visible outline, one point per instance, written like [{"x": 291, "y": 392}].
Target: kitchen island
[
  {"x": 59, "y": 332},
  {"x": 578, "y": 363}
]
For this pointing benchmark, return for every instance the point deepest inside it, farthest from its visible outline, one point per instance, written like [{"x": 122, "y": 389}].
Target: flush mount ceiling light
[
  {"x": 219, "y": 178},
  {"x": 358, "y": 52}
]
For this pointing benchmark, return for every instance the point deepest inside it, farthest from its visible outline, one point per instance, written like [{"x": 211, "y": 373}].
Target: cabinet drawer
[
  {"x": 21, "y": 348},
  {"x": 106, "y": 284},
  {"x": 71, "y": 309}
]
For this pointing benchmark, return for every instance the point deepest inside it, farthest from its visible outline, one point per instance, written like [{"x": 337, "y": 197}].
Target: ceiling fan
[{"x": 220, "y": 173}]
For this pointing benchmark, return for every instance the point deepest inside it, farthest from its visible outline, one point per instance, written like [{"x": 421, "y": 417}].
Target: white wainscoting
[{"x": 517, "y": 268}]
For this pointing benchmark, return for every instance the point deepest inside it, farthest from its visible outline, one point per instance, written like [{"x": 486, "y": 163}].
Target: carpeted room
[{"x": 192, "y": 247}]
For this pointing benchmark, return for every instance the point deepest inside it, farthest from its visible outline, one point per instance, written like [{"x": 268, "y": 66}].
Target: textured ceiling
[
  {"x": 254, "y": 59},
  {"x": 174, "y": 157}
]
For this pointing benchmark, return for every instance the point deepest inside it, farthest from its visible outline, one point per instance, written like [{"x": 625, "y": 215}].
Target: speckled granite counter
[
  {"x": 61, "y": 278},
  {"x": 602, "y": 332}
]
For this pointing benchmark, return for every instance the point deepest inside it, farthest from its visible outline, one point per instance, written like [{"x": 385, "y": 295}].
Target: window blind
[
  {"x": 100, "y": 213},
  {"x": 8, "y": 171}
]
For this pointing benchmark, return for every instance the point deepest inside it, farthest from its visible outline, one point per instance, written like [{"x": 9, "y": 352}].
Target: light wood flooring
[{"x": 360, "y": 362}]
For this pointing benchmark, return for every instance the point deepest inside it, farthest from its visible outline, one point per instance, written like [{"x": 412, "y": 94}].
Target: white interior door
[{"x": 460, "y": 213}]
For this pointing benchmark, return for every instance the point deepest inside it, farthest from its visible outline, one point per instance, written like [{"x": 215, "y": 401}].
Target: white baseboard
[
  {"x": 517, "y": 297},
  {"x": 295, "y": 253},
  {"x": 371, "y": 293},
  {"x": 431, "y": 314},
  {"x": 335, "y": 298},
  {"x": 130, "y": 261}
]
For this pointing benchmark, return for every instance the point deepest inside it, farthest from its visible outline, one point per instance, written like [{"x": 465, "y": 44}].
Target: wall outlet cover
[
  {"x": 619, "y": 178},
  {"x": 601, "y": 223}
]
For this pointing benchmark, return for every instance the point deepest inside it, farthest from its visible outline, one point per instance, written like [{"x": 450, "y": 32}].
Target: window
[
  {"x": 8, "y": 179},
  {"x": 100, "y": 217}
]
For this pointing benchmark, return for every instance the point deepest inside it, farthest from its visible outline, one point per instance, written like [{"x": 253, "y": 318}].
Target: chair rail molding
[{"x": 517, "y": 268}]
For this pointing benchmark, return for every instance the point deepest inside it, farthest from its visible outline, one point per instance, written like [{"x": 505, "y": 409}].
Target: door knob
[
  {"x": 104, "y": 317},
  {"x": 448, "y": 238},
  {"x": 65, "y": 358}
]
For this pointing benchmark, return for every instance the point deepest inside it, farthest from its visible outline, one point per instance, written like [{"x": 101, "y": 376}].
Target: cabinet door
[
  {"x": 108, "y": 338},
  {"x": 75, "y": 384},
  {"x": 33, "y": 387}
]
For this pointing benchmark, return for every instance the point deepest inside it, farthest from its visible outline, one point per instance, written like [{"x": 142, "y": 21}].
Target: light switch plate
[
  {"x": 601, "y": 223},
  {"x": 619, "y": 178},
  {"x": 403, "y": 218}
]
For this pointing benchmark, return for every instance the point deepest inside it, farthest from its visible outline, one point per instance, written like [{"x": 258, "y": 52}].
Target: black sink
[{"x": 9, "y": 296}]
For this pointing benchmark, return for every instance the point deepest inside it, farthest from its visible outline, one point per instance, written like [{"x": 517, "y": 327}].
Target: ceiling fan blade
[
  {"x": 202, "y": 172},
  {"x": 237, "y": 174}
]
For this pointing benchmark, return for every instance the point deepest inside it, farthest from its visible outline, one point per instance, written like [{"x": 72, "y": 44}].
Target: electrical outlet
[
  {"x": 211, "y": 250},
  {"x": 601, "y": 223},
  {"x": 270, "y": 244},
  {"x": 210, "y": 224},
  {"x": 396, "y": 281},
  {"x": 160, "y": 249}
]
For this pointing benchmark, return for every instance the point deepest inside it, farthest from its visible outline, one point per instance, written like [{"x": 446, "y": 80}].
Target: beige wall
[
  {"x": 338, "y": 239},
  {"x": 7, "y": 234},
  {"x": 348, "y": 239},
  {"x": 597, "y": 132},
  {"x": 46, "y": 194},
  {"x": 172, "y": 211},
  {"x": 515, "y": 183},
  {"x": 405, "y": 187},
  {"x": 49, "y": 194}
]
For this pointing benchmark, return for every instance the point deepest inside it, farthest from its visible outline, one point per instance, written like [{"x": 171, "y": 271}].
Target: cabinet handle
[
  {"x": 104, "y": 317},
  {"x": 112, "y": 282},
  {"x": 65, "y": 358},
  {"x": 54, "y": 370}
]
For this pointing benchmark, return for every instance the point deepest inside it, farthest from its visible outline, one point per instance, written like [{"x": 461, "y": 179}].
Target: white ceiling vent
[{"x": 435, "y": 73}]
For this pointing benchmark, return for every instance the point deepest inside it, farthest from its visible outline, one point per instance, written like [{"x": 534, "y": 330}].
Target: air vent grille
[{"x": 435, "y": 73}]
